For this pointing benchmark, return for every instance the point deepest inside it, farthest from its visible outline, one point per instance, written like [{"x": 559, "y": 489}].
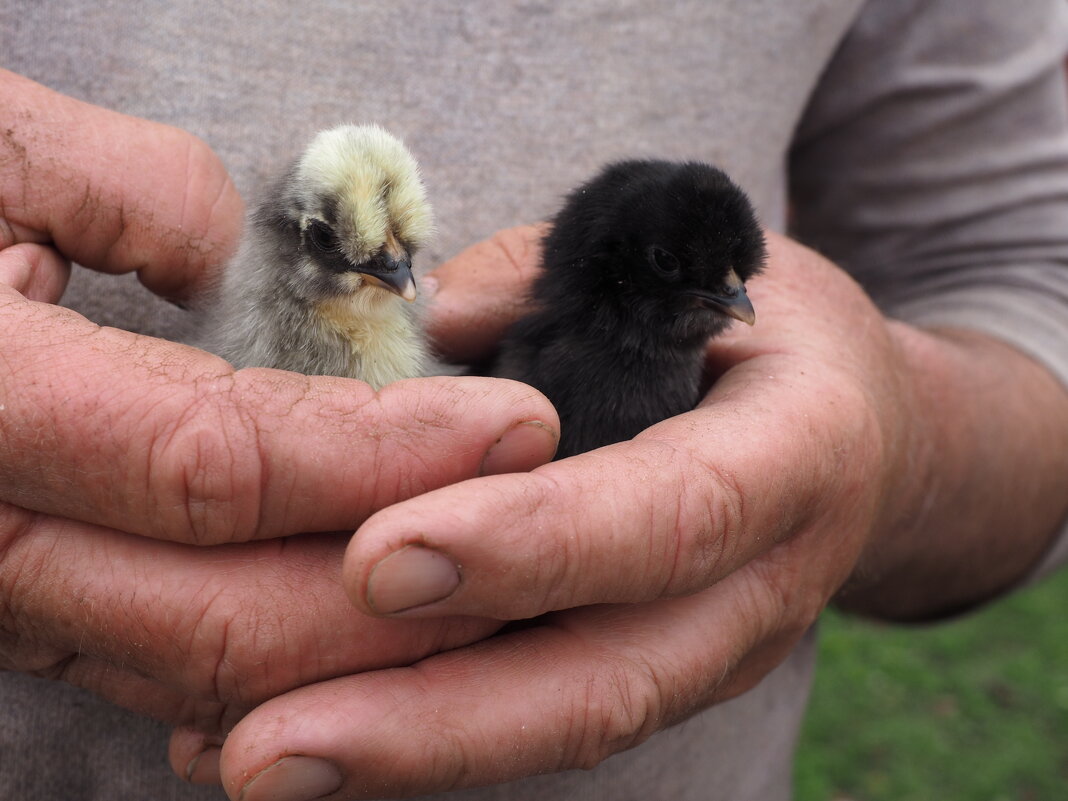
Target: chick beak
[
  {"x": 390, "y": 272},
  {"x": 732, "y": 301}
]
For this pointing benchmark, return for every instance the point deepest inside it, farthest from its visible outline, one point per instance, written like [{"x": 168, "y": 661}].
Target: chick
[
  {"x": 322, "y": 283},
  {"x": 640, "y": 267}
]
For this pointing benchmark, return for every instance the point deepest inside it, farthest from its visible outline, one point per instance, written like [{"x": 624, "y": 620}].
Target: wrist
[{"x": 975, "y": 476}]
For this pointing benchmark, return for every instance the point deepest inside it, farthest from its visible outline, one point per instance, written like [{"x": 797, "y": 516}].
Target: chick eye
[
  {"x": 321, "y": 237},
  {"x": 663, "y": 262}
]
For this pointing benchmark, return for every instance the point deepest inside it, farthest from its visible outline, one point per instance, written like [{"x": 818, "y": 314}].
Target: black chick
[{"x": 640, "y": 267}]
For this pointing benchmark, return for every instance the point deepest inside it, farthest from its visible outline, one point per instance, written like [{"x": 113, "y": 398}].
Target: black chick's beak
[
  {"x": 390, "y": 272},
  {"x": 731, "y": 300}
]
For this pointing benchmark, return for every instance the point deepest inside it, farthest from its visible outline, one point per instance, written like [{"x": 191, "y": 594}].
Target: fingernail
[
  {"x": 293, "y": 778},
  {"x": 523, "y": 447},
  {"x": 204, "y": 767},
  {"x": 413, "y": 576}
]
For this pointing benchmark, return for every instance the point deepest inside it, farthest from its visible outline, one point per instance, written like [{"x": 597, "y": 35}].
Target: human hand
[
  {"x": 121, "y": 454},
  {"x": 670, "y": 572},
  {"x": 696, "y": 555}
]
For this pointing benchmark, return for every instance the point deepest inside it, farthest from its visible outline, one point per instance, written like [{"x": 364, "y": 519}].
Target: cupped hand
[
  {"x": 121, "y": 456},
  {"x": 665, "y": 573},
  {"x": 662, "y": 575}
]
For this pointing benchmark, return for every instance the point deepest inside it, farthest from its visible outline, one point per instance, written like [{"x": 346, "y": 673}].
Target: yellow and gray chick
[{"x": 322, "y": 283}]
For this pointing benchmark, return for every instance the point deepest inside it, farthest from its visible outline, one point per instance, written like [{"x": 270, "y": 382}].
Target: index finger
[
  {"x": 155, "y": 438},
  {"x": 112, "y": 192}
]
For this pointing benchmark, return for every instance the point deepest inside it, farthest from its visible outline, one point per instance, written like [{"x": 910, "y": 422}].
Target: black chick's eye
[
  {"x": 321, "y": 237},
  {"x": 663, "y": 262}
]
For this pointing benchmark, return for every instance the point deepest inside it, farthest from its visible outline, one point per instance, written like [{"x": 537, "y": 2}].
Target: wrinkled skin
[
  {"x": 834, "y": 456},
  {"x": 121, "y": 454}
]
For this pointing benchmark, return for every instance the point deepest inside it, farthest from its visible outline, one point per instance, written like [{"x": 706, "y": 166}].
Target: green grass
[{"x": 971, "y": 710}]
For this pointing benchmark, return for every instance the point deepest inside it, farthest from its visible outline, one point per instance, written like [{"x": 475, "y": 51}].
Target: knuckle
[
  {"x": 208, "y": 650},
  {"x": 247, "y": 640},
  {"x": 619, "y": 709},
  {"x": 15, "y": 524},
  {"x": 519, "y": 250},
  {"x": 726, "y": 516},
  {"x": 205, "y": 470},
  {"x": 27, "y": 637},
  {"x": 206, "y": 179},
  {"x": 561, "y": 552},
  {"x": 217, "y": 653},
  {"x": 451, "y": 767},
  {"x": 706, "y": 522}
]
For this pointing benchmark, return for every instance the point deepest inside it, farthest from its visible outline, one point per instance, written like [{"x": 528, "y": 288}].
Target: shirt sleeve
[{"x": 932, "y": 164}]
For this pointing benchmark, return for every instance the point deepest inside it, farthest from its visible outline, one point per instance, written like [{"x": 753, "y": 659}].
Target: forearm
[{"x": 980, "y": 488}]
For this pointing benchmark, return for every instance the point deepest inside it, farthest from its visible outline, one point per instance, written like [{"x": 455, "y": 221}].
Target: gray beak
[
  {"x": 394, "y": 274},
  {"x": 732, "y": 301}
]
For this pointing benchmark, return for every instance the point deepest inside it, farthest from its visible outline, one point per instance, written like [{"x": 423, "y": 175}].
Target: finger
[
  {"x": 582, "y": 685},
  {"x": 520, "y": 545},
  {"x": 163, "y": 440},
  {"x": 482, "y": 291},
  {"x": 783, "y": 442},
  {"x": 36, "y": 272},
  {"x": 114, "y": 193},
  {"x": 220, "y": 629}
]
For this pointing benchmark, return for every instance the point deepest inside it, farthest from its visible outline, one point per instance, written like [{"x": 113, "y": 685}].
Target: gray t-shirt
[{"x": 920, "y": 144}]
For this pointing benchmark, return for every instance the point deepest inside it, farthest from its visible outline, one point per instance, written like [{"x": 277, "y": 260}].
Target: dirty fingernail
[
  {"x": 523, "y": 447},
  {"x": 413, "y": 576},
  {"x": 293, "y": 778}
]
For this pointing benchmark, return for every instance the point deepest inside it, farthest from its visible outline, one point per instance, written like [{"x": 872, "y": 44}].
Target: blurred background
[{"x": 971, "y": 710}]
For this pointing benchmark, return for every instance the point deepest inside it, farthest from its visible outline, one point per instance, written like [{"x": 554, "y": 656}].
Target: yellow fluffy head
[{"x": 364, "y": 183}]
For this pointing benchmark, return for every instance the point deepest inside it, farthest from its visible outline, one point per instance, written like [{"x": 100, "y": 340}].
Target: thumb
[{"x": 482, "y": 291}]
